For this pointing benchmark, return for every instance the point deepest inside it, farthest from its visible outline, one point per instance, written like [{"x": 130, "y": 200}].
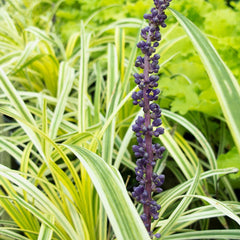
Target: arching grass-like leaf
[
  {"x": 207, "y": 234},
  {"x": 198, "y": 135},
  {"x": 46, "y": 232},
  {"x": 44, "y": 204},
  {"x": 166, "y": 228},
  {"x": 121, "y": 212}
]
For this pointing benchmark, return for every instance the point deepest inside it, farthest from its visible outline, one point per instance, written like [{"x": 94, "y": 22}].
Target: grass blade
[
  {"x": 11, "y": 235},
  {"x": 166, "y": 228},
  {"x": 43, "y": 202},
  {"x": 46, "y": 232},
  {"x": 122, "y": 214},
  {"x": 111, "y": 103},
  {"x": 198, "y": 135},
  {"x": 207, "y": 234},
  {"x": 221, "y": 207},
  {"x": 66, "y": 77},
  {"x": 83, "y": 79}
]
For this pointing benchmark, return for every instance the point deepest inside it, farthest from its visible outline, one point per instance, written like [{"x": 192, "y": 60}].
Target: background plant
[{"x": 71, "y": 94}]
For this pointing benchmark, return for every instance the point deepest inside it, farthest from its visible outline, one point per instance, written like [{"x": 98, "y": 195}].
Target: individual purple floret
[{"x": 147, "y": 127}]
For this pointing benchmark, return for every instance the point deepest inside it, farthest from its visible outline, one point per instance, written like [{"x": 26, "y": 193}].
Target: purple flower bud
[
  {"x": 158, "y": 190},
  {"x": 152, "y": 94},
  {"x": 134, "y": 96},
  {"x": 157, "y": 235},
  {"x": 139, "y": 190},
  {"x": 147, "y": 16},
  {"x": 139, "y": 62},
  {"x": 154, "y": 11},
  {"x": 137, "y": 81},
  {"x": 144, "y": 217},
  {"x": 141, "y": 104},
  {"x": 158, "y": 131},
  {"x": 156, "y": 56},
  {"x": 157, "y": 122},
  {"x": 162, "y": 149},
  {"x": 140, "y": 120},
  {"x": 145, "y": 195},
  {"x": 139, "y": 172},
  {"x": 141, "y": 44},
  {"x": 136, "y": 128},
  {"x": 136, "y": 75},
  {"x": 154, "y": 106},
  {"x": 163, "y": 25}
]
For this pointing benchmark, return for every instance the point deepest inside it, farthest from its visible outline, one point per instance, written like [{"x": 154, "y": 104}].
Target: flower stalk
[{"x": 148, "y": 126}]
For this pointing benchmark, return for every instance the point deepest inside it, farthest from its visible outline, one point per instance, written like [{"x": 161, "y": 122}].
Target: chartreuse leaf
[
  {"x": 97, "y": 93},
  {"x": 43, "y": 203},
  {"x": 18, "y": 214},
  {"x": 222, "y": 208},
  {"x": 121, "y": 212},
  {"x": 14, "y": 97},
  {"x": 111, "y": 117},
  {"x": 130, "y": 65},
  {"x": 120, "y": 46},
  {"x": 65, "y": 81},
  {"x": 25, "y": 55},
  {"x": 11, "y": 235},
  {"x": 71, "y": 44},
  {"x": 40, "y": 34},
  {"x": 45, "y": 231},
  {"x": 11, "y": 148},
  {"x": 230, "y": 159},
  {"x": 111, "y": 103},
  {"x": 83, "y": 79},
  {"x": 224, "y": 83},
  {"x": 83, "y": 124},
  {"x": 22, "y": 109}
]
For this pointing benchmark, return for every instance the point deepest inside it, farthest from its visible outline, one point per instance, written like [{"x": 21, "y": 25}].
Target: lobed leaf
[{"x": 223, "y": 81}]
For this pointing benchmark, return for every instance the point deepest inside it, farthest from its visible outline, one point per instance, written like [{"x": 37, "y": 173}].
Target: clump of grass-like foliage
[{"x": 66, "y": 116}]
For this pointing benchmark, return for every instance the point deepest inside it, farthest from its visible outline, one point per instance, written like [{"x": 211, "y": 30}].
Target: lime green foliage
[
  {"x": 231, "y": 159},
  {"x": 205, "y": 14},
  {"x": 225, "y": 38}
]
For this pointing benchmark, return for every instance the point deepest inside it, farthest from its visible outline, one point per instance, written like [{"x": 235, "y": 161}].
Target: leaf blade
[{"x": 122, "y": 214}]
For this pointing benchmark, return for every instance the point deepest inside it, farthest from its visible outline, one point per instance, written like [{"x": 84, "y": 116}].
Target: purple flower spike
[{"x": 147, "y": 127}]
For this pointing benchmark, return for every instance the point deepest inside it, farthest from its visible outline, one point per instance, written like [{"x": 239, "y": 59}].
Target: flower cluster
[{"x": 148, "y": 126}]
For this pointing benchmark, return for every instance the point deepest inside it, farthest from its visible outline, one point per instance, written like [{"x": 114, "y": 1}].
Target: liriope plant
[{"x": 58, "y": 195}]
